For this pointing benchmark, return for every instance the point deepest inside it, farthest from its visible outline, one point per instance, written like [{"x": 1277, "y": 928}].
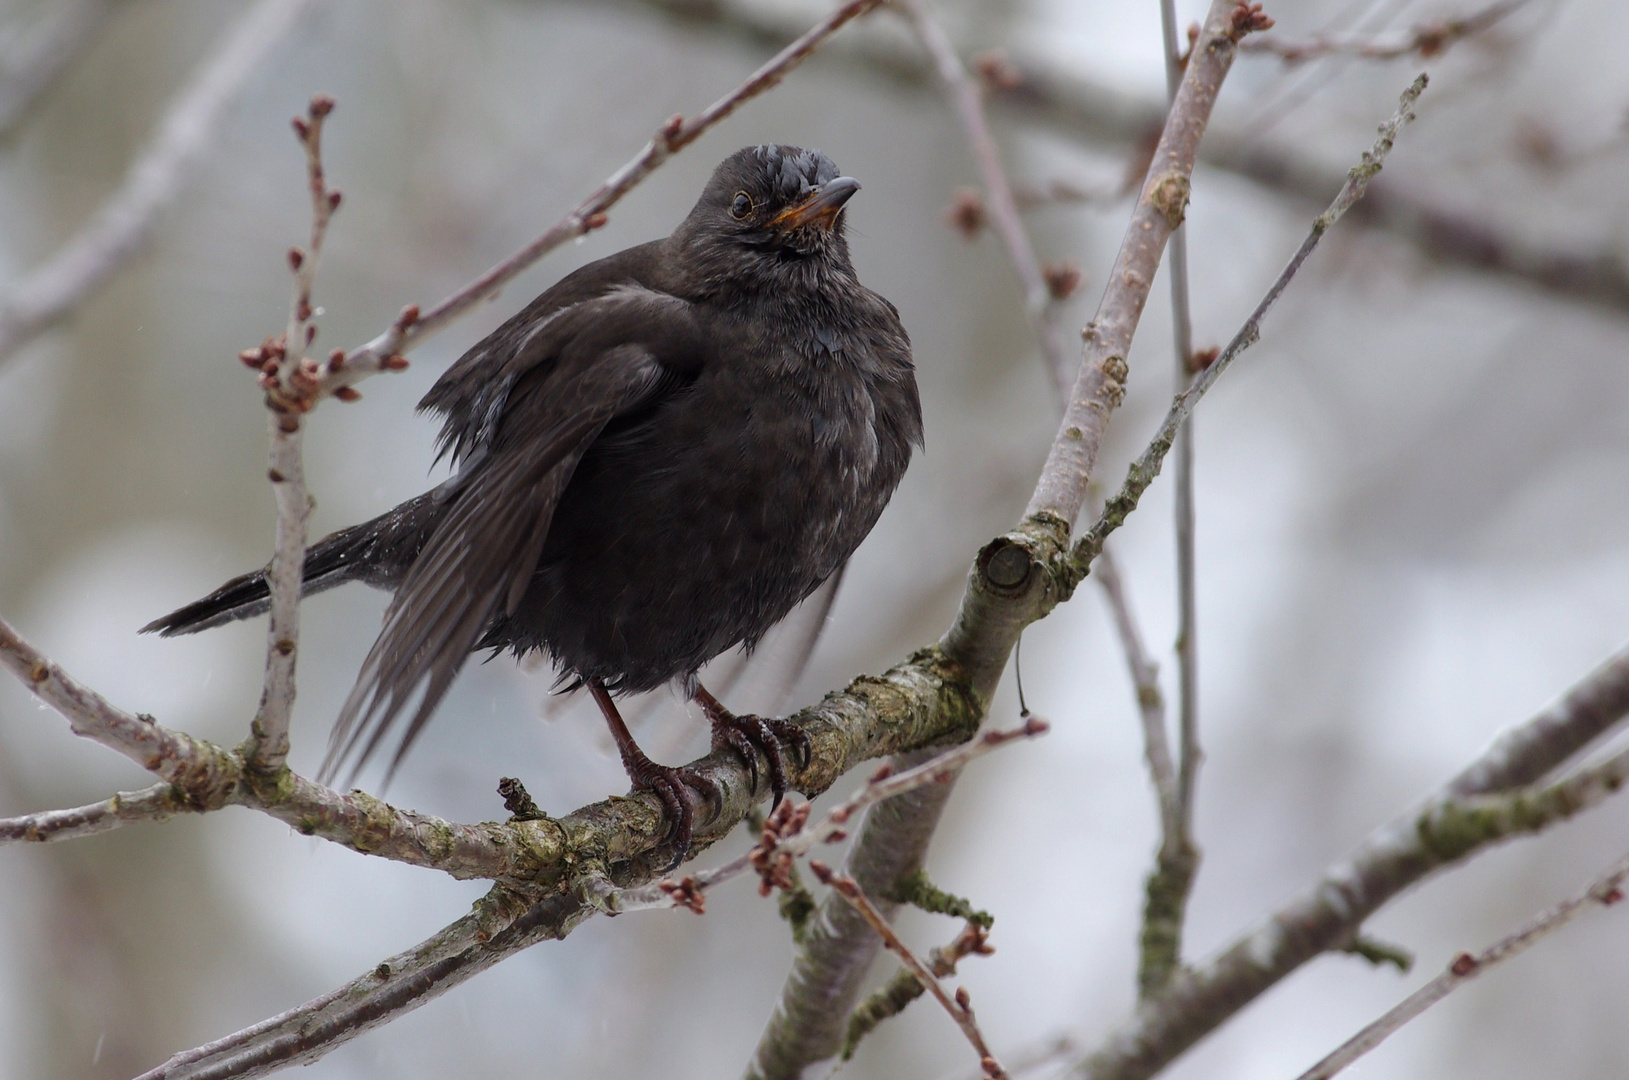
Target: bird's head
[{"x": 773, "y": 210}]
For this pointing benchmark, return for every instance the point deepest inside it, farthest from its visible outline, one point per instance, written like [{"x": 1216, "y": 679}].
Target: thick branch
[
  {"x": 922, "y": 702},
  {"x": 782, "y": 845},
  {"x": 126, "y": 221},
  {"x": 1450, "y": 826}
]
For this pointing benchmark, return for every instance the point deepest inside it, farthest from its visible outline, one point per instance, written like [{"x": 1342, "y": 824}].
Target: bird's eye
[{"x": 742, "y": 206}]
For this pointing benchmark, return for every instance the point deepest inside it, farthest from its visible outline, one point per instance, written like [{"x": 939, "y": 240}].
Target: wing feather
[{"x": 594, "y": 362}]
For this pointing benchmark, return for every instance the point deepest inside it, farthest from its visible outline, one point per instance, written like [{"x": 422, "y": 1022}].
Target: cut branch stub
[{"x": 1005, "y": 566}]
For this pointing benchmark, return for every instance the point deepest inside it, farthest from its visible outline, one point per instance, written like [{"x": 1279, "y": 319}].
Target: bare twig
[
  {"x": 289, "y": 393},
  {"x": 960, "y": 1007},
  {"x": 1101, "y": 383},
  {"x": 796, "y": 842},
  {"x": 156, "y": 803},
  {"x": 31, "y": 61},
  {"x": 127, "y": 220},
  {"x": 592, "y": 212},
  {"x": 1145, "y": 682},
  {"x": 1476, "y": 809},
  {"x": 1604, "y": 891},
  {"x": 1177, "y": 862},
  {"x": 1425, "y": 40},
  {"x": 968, "y": 100},
  {"x": 1147, "y": 466},
  {"x": 897, "y": 994}
]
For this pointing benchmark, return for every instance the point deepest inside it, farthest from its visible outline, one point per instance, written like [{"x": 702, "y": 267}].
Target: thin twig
[
  {"x": 896, "y": 995},
  {"x": 288, "y": 395},
  {"x": 1486, "y": 803},
  {"x": 885, "y": 784},
  {"x": 1177, "y": 862},
  {"x": 1147, "y": 466},
  {"x": 1425, "y": 40},
  {"x": 1604, "y": 891},
  {"x": 33, "y": 60},
  {"x": 157, "y": 803},
  {"x": 960, "y": 1007},
  {"x": 968, "y": 100},
  {"x": 126, "y": 221},
  {"x": 592, "y": 213},
  {"x": 1145, "y": 681}
]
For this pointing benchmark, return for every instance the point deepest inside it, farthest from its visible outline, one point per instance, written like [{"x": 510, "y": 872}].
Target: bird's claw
[
  {"x": 668, "y": 784},
  {"x": 750, "y": 736}
]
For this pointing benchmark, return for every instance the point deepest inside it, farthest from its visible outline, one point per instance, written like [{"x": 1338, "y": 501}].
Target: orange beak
[{"x": 821, "y": 206}]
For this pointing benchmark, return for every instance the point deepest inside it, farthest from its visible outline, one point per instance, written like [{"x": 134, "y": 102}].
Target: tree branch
[
  {"x": 288, "y": 381},
  {"x": 157, "y": 803},
  {"x": 1604, "y": 891},
  {"x": 1013, "y": 583},
  {"x": 922, "y": 702},
  {"x": 960, "y": 1008},
  {"x": 1426, "y": 40},
  {"x": 778, "y": 846},
  {"x": 1045, "y": 91},
  {"x": 1164, "y": 199},
  {"x": 126, "y": 221},
  {"x": 1176, "y": 864},
  {"x": 1145, "y": 684},
  {"x": 592, "y": 213},
  {"x": 1147, "y": 466},
  {"x": 1448, "y": 827}
]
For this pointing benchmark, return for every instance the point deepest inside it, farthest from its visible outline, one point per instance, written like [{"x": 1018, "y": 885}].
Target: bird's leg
[
  {"x": 667, "y": 783},
  {"x": 750, "y": 736}
]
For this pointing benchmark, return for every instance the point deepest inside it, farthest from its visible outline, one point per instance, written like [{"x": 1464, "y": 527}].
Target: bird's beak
[{"x": 821, "y": 205}]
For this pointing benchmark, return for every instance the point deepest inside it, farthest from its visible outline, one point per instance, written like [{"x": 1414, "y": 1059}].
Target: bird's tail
[{"x": 377, "y": 552}]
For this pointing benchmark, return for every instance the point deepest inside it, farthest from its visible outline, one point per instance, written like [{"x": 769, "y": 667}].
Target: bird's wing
[
  {"x": 470, "y": 395},
  {"x": 590, "y": 363}
]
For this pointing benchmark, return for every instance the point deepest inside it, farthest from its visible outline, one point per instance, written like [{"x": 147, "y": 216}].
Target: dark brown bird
[{"x": 656, "y": 460}]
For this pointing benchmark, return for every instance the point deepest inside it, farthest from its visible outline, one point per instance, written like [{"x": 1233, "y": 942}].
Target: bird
[{"x": 653, "y": 462}]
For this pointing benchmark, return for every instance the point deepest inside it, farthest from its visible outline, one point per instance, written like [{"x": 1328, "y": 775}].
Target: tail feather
[{"x": 377, "y": 552}]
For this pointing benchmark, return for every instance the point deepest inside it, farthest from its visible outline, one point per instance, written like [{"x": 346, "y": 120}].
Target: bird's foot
[
  {"x": 668, "y": 784},
  {"x": 751, "y": 736}
]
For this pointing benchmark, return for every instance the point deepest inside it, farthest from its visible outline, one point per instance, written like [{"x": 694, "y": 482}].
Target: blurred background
[{"x": 1412, "y": 500}]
